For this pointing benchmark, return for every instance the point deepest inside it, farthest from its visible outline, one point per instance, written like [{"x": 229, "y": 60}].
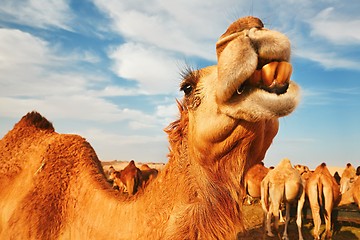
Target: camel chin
[{"x": 256, "y": 104}]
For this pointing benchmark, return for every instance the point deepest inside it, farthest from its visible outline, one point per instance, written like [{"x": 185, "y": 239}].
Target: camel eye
[{"x": 187, "y": 89}]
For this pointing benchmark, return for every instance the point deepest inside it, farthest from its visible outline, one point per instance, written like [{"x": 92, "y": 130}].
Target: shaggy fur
[{"x": 53, "y": 186}]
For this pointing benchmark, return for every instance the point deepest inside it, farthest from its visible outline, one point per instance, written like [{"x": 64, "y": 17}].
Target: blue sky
[{"x": 108, "y": 70}]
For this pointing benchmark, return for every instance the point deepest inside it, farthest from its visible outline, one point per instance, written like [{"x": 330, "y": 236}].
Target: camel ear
[{"x": 352, "y": 180}]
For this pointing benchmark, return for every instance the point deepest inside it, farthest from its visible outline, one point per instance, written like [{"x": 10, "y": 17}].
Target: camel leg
[
  {"x": 281, "y": 218},
  {"x": 276, "y": 199},
  {"x": 287, "y": 219},
  {"x": 328, "y": 208},
  {"x": 275, "y": 212},
  {"x": 315, "y": 211},
  {"x": 268, "y": 221},
  {"x": 299, "y": 213}
]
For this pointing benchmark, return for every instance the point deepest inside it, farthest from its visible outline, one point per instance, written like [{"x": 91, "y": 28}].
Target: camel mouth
[{"x": 270, "y": 76}]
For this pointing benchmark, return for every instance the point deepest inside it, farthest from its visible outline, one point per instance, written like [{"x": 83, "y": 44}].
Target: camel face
[
  {"x": 251, "y": 83},
  {"x": 254, "y": 72},
  {"x": 252, "y": 78}
]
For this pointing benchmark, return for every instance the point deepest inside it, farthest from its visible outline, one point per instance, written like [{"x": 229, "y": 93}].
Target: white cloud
[
  {"x": 35, "y": 76},
  {"x": 142, "y": 148},
  {"x": 337, "y": 27},
  {"x": 17, "y": 47},
  {"x": 167, "y": 113},
  {"x": 180, "y": 26},
  {"x": 153, "y": 69},
  {"x": 328, "y": 59},
  {"x": 37, "y": 13}
]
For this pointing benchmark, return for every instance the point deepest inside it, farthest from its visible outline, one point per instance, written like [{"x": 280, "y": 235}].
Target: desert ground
[{"x": 253, "y": 214}]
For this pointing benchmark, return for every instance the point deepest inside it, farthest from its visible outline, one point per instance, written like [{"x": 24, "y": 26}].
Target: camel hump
[
  {"x": 323, "y": 164},
  {"x": 35, "y": 119}
]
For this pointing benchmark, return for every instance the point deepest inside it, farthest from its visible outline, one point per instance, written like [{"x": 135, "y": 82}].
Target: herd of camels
[{"x": 54, "y": 187}]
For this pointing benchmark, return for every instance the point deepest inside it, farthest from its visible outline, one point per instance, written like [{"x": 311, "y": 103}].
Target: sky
[{"x": 109, "y": 70}]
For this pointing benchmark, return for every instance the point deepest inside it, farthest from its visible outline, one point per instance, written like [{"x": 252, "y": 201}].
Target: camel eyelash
[{"x": 190, "y": 78}]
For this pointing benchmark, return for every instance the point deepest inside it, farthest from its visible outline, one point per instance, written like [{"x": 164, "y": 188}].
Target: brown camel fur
[
  {"x": 323, "y": 193},
  {"x": 347, "y": 178},
  {"x": 253, "y": 178},
  {"x": 282, "y": 184},
  {"x": 53, "y": 185}
]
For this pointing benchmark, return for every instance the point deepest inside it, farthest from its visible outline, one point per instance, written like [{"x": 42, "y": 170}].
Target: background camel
[
  {"x": 304, "y": 171},
  {"x": 282, "y": 184},
  {"x": 323, "y": 193},
  {"x": 352, "y": 195},
  {"x": 131, "y": 177},
  {"x": 253, "y": 178},
  {"x": 347, "y": 178},
  {"x": 228, "y": 118},
  {"x": 148, "y": 174}
]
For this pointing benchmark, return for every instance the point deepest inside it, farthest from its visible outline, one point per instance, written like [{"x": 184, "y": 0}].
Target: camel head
[
  {"x": 253, "y": 72},
  {"x": 249, "y": 85}
]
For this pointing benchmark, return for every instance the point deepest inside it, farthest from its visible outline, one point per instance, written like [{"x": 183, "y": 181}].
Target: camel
[
  {"x": 304, "y": 171},
  {"x": 131, "y": 178},
  {"x": 352, "y": 195},
  {"x": 323, "y": 193},
  {"x": 148, "y": 174},
  {"x": 337, "y": 177},
  {"x": 118, "y": 183},
  {"x": 347, "y": 178},
  {"x": 282, "y": 184},
  {"x": 302, "y": 168},
  {"x": 54, "y": 187},
  {"x": 110, "y": 173},
  {"x": 253, "y": 178}
]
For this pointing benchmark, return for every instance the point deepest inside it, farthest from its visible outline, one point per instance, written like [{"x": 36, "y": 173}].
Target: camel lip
[
  {"x": 256, "y": 80},
  {"x": 278, "y": 89}
]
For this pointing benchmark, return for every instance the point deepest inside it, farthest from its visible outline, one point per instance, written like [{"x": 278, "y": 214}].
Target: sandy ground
[{"x": 253, "y": 216}]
